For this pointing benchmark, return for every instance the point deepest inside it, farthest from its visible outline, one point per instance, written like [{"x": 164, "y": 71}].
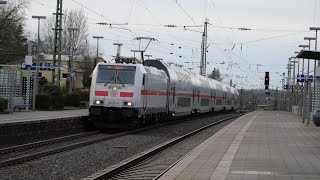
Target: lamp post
[
  {"x": 148, "y": 56},
  {"x": 71, "y": 52},
  {"x": 35, "y": 80},
  {"x": 294, "y": 78},
  {"x": 309, "y": 82},
  {"x": 303, "y": 102},
  {"x": 289, "y": 82},
  {"x": 190, "y": 68},
  {"x": 97, "y": 37},
  {"x": 316, "y": 80}
]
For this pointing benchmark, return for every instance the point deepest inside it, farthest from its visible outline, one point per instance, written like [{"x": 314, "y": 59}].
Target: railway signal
[{"x": 266, "y": 81}]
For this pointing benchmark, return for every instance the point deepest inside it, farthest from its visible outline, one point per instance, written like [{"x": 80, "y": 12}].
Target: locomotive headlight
[
  {"x": 114, "y": 88},
  {"x": 98, "y": 102},
  {"x": 128, "y": 103}
]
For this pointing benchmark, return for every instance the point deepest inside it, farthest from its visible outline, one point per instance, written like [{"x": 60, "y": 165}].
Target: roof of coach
[
  {"x": 235, "y": 91},
  {"x": 205, "y": 82},
  {"x": 174, "y": 72},
  {"x": 153, "y": 70},
  {"x": 218, "y": 85}
]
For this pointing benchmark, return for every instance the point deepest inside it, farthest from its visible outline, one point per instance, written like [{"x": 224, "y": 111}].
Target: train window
[
  {"x": 115, "y": 76},
  {"x": 184, "y": 102},
  {"x": 125, "y": 77},
  {"x": 218, "y": 102},
  {"x": 204, "y": 102},
  {"x": 106, "y": 76}
]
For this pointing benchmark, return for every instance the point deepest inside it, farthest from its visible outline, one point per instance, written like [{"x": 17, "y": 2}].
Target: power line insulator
[{"x": 170, "y": 25}]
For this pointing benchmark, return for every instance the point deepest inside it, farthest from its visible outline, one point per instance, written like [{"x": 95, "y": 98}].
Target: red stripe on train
[
  {"x": 126, "y": 94},
  {"x": 149, "y": 92},
  {"x": 101, "y": 93}
]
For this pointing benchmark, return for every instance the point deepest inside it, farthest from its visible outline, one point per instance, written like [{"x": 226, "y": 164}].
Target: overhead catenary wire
[
  {"x": 209, "y": 37},
  {"x": 232, "y": 56}
]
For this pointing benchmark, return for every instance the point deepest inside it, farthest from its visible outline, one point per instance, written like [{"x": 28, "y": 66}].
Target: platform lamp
[
  {"x": 303, "y": 93},
  {"x": 97, "y": 37},
  {"x": 309, "y": 83},
  {"x": 71, "y": 53},
  {"x": 317, "y": 80},
  {"x": 293, "y": 61},
  {"x": 35, "y": 81}
]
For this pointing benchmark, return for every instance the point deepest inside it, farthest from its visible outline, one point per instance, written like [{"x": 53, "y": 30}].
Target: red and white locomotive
[{"x": 128, "y": 95}]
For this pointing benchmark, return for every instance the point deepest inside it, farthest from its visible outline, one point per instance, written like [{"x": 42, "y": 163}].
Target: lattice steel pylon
[
  {"x": 203, "y": 61},
  {"x": 57, "y": 45}
]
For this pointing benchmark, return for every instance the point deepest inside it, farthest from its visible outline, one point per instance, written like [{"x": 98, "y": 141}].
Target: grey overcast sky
[{"x": 277, "y": 28}]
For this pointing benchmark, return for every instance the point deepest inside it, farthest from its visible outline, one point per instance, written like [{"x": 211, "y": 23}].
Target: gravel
[
  {"x": 159, "y": 163},
  {"x": 82, "y": 162}
]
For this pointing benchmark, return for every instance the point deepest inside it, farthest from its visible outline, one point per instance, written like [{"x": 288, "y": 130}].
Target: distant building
[{"x": 46, "y": 69}]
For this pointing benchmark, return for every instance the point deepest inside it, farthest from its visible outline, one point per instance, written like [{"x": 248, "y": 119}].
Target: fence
[{"x": 13, "y": 84}]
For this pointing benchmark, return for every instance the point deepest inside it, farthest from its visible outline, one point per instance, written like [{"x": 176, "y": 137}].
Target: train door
[
  {"x": 224, "y": 99},
  {"x": 168, "y": 95},
  {"x": 215, "y": 98},
  {"x": 193, "y": 96},
  {"x": 172, "y": 98},
  {"x": 145, "y": 90},
  {"x": 174, "y": 95},
  {"x": 198, "y": 97}
]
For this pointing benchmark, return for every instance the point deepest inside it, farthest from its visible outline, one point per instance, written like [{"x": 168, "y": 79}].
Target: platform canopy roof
[{"x": 307, "y": 54}]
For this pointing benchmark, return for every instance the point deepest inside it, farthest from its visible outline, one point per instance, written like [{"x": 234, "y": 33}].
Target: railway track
[
  {"x": 43, "y": 153},
  {"x": 24, "y": 147},
  {"x": 141, "y": 167}
]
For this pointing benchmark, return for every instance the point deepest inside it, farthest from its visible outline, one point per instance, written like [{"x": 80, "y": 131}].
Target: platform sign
[
  {"x": 302, "y": 78},
  {"x": 28, "y": 60},
  {"x": 287, "y": 86},
  {"x": 43, "y": 67}
]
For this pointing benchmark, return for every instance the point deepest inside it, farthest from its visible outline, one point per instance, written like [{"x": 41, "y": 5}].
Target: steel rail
[
  {"x": 24, "y": 147},
  {"x": 37, "y": 155},
  {"x": 126, "y": 164}
]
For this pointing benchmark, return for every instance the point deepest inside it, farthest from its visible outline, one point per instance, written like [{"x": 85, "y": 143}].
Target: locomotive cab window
[{"x": 116, "y": 74}]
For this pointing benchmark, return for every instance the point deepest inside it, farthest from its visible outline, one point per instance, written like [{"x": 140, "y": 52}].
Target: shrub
[
  {"x": 43, "y": 101},
  {"x": 84, "y": 94},
  {"x": 57, "y": 102},
  {"x": 3, "y": 104},
  {"x": 55, "y": 92},
  {"x": 72, "y": 99}
]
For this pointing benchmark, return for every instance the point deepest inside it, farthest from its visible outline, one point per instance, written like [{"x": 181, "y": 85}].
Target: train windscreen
[{"x": 116, "y": 74}]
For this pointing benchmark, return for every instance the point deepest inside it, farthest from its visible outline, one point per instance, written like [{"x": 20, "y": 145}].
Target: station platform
[
  {"x": 27, "y": 126},
  {"x": 258, "y": 145},
  {"x": 28, "y": 116}
]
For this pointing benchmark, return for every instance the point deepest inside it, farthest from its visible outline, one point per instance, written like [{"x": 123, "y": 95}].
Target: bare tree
[
  {"x": 215, "y": 74},
  {"x": 86, "y": 65},
  {"x": 12, "y": 37},
  {"x": 74, "y": 18}
]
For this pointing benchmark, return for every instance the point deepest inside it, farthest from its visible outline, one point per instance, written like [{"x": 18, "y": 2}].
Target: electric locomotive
[{"x": 129, "y": 95}]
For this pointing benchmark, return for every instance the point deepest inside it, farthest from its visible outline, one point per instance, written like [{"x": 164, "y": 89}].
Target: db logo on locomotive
[{"x": 114, "y": 94}]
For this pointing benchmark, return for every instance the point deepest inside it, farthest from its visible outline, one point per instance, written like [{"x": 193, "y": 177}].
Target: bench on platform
[{"x": 18, "y": 103}]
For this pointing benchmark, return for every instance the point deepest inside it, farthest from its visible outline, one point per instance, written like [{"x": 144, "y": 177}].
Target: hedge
[
  {"x": 43, "y": 101},
  {"x": 72, "y": 99},
  {"x": 3, "y": 104}
]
